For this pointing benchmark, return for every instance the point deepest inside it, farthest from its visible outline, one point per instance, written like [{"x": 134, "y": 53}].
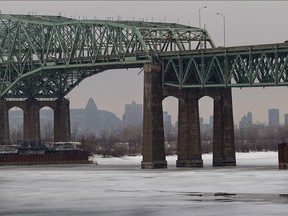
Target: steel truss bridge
[{"x": 47, "y": 56}]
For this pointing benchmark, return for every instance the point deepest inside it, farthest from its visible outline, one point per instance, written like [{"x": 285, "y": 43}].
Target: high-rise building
[
  {"x": 286, "y": 119},
  {"x": 211, "y": 121},
  {"x": 273, "y": 116},
  {"x": 133, "y": 114},
  {"x": 201, "y": 121},
  {"x": 249, "y": 118},
  {"x": 166, "y": 119},
  {"x": 246, "y": 121}
]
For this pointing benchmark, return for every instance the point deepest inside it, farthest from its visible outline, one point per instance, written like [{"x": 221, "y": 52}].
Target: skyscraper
[
  {"x": 286, "y": 119},
  {"x": 273, "y": 115},
  {"x": 249, "y": 118},
  {"x": 211, "y": 121},
  {"x": 246, "y": 121},
  {"x": 133, "y": 114},
  {"x": 166, "y": 119}
]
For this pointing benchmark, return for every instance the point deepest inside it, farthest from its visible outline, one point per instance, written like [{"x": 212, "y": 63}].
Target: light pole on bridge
[
  {"x": 200, "y": 15},
  {"x": 223, "y": 24}
]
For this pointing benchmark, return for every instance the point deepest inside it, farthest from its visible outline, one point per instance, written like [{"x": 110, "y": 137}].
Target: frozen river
[{"x": 117, "y": 186}]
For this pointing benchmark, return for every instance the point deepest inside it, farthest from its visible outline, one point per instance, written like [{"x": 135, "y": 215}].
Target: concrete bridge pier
[
  {"x": 223, "y": 133},
  {"x": 62, "y": 120},
  {"x": 189, "y": 143},
  {"x": 31, "y": 129},
  {"x": 4, "y": 122},
  {"x": 153, "y": 133}
]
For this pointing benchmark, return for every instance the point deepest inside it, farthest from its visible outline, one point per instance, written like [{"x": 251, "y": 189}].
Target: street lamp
[
  {"x": 200, "y": 15},
  {"x": 223, "y": 24}
]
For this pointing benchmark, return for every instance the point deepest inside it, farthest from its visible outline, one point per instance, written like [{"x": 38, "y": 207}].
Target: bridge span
[{"x": 42, "y": 58}]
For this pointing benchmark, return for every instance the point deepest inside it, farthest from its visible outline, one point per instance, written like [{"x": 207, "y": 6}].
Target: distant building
[
  {"x": 206, "y": 126},
  {"x": 98, "y": 121},
  {"x": 201, "y": 121},
  {"x": 286, "y": 119},
  {"x": 211, "y": 120},
  {"x": 273, "y": 116},
  {"x": 133, "y": 114},
  {"x": 166, "y": 120},
  {"x": 88, "y": 120},
  {"x": 246, "y": 121},
  {"x": 249, "y": 118},
  {"x": 91, "y": 117},
  {"x": 78, "y": 120}
]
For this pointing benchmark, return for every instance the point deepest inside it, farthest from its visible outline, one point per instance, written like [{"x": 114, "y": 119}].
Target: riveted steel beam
[
  {"x": 249, "y": 66},
  {"x": 47, "y": 56},
  {"x": 31, "y": 46}
]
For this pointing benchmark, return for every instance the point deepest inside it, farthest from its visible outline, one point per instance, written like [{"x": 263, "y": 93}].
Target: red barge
[{"x": 48, "y": 154}]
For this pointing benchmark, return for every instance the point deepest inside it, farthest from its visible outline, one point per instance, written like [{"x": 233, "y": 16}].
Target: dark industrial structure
[{"x": 283, "y": 155}]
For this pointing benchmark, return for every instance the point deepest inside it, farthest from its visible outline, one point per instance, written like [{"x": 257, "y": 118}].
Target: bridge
[{"x": 42, "y": 58}]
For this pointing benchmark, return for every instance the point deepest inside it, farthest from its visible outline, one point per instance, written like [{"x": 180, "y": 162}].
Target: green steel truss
[
  {"x": 47, "y": 56},
  {"x": 246, "y": 66}
]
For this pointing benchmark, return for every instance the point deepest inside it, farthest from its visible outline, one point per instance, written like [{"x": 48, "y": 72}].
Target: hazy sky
[{"x": 247, "y": 22}]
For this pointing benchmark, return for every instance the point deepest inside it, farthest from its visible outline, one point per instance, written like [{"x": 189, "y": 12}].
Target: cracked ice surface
[{"x": 117, "y": 186}]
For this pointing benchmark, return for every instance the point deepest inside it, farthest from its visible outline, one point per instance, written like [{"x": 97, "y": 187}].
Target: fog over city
[{"x": 247, "y": 23}]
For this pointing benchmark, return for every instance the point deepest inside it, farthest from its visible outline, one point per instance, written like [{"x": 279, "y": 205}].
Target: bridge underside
[{"x": 189, "y": 143}]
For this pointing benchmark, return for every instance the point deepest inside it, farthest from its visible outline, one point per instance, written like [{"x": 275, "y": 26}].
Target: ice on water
[{"x": 117, "y": 186}]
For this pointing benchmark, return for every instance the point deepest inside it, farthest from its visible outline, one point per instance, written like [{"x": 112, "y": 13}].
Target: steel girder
[
  {"x": 47, "y": 56},
  {"x": 246, "y": 66}
]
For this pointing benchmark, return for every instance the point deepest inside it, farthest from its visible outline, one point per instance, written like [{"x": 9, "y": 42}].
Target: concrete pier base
[
  {"x": 31, "y": 127},
  {"x": 4, "y": 123},
  {"x": 153, "y": 134},
  {"x": 223, "y": 129},
  {"x": 154, "y": 164},
  {"x": 189, "y": 143},
  {"x": 62, "y": 120},
  {"x": 189, "y": 163}
]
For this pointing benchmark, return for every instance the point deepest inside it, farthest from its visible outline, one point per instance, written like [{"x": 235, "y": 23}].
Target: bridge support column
[
  {"x": 153, "y": 133},
  {"x": 62, "y": 120},
  {"x": 31, "y": 121},
  {"x": 223, "y": 134},
  {"x": 189, "y": 143},
  {"x": 4, "y": 123}
]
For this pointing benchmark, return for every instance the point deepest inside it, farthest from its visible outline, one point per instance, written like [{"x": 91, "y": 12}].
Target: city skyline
[
  {"x": 88, "y": 119},
  {"x": 260, "y": 24},
  {"x": 135, "y": 110}
]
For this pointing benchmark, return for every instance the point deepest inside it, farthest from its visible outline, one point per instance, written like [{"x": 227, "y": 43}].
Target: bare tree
[
  {"x": 132, "y": 135},
  {"x": 75, "y": 131},
  {"x": 47, "y": 132},
  {"x": 16, "y": 135}
]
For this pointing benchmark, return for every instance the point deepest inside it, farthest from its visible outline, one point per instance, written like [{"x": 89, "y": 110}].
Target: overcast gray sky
[{"x": 247, "y": 22}]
